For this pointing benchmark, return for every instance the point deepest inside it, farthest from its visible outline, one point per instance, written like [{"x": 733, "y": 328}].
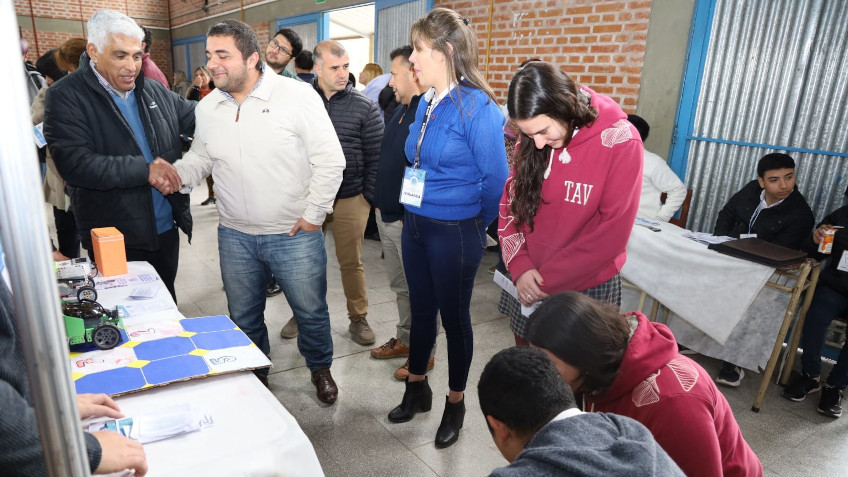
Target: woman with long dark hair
[
  {"x": 569, "y": 204},
  {"x": 627, "y": 365},
  {"x": 451, "y": 192}
]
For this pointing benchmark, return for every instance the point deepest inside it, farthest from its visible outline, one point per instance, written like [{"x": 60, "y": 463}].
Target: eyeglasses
[{"x": 279, "y": 47}]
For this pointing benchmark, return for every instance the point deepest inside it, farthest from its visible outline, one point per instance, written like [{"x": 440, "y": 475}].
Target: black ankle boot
[
  {"x": 417, "y": 397},
  {"x": 452, "y": 419}
]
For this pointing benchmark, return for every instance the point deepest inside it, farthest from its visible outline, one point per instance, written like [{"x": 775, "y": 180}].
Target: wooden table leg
[
  {"x": 654, "y": 308},
  {"x": 795, "y": 338},
  {"x": 781, "y": 335}
]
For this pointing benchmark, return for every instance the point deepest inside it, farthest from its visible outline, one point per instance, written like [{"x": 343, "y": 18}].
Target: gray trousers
[{"x": 390, "y": 239}]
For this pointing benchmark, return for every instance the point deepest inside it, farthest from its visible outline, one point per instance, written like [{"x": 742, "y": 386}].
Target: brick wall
[
  {"x": 601, "y": 44},
  {"x": 184, "y": 12},
  {"x": 46, "y": 41},
  {"x": 263, "y": 33},
  {"x": 150, "y": 13}
]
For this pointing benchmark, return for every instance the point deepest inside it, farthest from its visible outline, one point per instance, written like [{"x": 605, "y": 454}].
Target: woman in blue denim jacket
[{"x": 451, "y": 192}]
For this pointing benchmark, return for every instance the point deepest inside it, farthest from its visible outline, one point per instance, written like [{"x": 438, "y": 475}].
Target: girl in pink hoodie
[
  {"x": 569, "y": 203},
  {"x": 627, "y": 365}
]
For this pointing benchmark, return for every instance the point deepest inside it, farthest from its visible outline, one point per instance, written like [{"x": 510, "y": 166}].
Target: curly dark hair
[{"x": 541, "y": 88}]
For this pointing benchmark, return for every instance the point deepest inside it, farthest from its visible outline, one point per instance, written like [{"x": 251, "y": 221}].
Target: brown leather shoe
[
  {"x": 393, "y": 348},
  {"x": 403, "y": 372},
  {"x": 327, "y": 391}
]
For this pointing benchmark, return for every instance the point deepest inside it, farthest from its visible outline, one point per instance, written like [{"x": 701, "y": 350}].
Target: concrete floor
[{"x": 353, "y": 437}]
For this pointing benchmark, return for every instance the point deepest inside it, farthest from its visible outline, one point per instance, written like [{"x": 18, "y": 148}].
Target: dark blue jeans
[
  {"x": 299, "y": 264},
  {"x": 440, "y": 258},
  {"x": 827, "y": 304}
]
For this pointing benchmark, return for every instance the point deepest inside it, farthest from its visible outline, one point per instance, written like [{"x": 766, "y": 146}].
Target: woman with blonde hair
[
  {"x": 180, "y": 84},
  {"x": 371, "y": 71},
  {"x": 451, "y": 194},
  {"x": 202, "y": 84}
]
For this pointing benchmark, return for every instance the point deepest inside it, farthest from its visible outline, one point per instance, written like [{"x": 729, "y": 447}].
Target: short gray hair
[
  {"x": 332, "y": 46},
  {"x": 105, "y": 24}
]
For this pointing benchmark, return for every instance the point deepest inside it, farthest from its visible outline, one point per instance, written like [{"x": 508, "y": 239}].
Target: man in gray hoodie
[{"x": 536, "y": 425}]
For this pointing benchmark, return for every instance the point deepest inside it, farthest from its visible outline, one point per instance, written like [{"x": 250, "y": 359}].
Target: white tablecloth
[
  {"x": 253, "y": 434},
  {"x": 708, "y": 290},
  {"x": 751, "y": 342}
]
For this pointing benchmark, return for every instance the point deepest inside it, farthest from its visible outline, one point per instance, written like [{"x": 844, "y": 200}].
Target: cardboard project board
[{"x": 155, "y": 354}]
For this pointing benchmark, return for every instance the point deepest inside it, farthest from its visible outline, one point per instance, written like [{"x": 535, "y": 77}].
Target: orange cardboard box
[{"x": 110, "y": 255}]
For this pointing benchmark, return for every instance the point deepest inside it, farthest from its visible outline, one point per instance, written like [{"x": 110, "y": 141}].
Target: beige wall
[
  {"x": 256, "y": 17},
  {"x": 662, "y": 71}
]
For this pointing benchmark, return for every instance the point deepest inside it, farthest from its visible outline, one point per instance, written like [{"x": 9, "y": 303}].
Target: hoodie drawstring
[{"x": 550, "y": 162}]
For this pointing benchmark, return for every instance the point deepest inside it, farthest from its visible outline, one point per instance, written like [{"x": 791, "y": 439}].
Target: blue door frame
[
  {"x": 696, "y": 56},
  {"x": 321, "y": 19},
  {"x": 690, "y": 87},
  {"x": 186, "y": 42}
]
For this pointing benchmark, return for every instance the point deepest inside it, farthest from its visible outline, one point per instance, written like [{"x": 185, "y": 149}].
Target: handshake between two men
[{"x": 165, "y": 178}]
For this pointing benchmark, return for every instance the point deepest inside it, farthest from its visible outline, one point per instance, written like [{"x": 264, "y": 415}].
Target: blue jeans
[
  {"x": 440, "y": 258},
  {"x": 827, "y": 304},
  {"x": 299, "y": 264}
]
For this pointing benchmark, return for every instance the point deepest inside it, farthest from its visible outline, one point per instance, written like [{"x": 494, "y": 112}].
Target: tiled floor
[{"x": 354, "y": 438}]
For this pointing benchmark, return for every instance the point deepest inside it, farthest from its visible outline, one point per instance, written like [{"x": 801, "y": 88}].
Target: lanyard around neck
[
  {"x": 417, "y": 162},
  {"x": 754, "y": 217}
]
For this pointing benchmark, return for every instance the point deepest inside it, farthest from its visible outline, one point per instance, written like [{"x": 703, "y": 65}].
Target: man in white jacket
[
  {"x": 657, "y": 178},
  {"x": 277, "y": 165}
]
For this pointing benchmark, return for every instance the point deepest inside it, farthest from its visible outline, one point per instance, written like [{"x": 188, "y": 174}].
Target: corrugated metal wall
[
  {"x": 308, "y": 33},
  {"x": 776, "y": 74},
  {"x": 393, "y": 28}
]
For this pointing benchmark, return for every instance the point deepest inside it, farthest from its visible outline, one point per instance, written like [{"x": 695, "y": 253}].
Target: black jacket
[
  {"x": 98, "y": 156},
  {"x": 786, "y": 224},
  {"x": 831, "y": 276},
  {"x": 393, "y": 161},
  {"x": 360, "y": 130}
]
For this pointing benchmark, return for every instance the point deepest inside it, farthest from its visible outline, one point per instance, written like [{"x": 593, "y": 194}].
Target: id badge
[
  {"x": 413, "y": 187},
  {"x": 741, "y": 236},
  {"x": 38, "y": 132},
  {"x": 843, "y": 262}
]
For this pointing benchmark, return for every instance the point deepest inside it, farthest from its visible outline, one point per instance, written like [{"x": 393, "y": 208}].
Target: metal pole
[{"x": 27, "y": 248}]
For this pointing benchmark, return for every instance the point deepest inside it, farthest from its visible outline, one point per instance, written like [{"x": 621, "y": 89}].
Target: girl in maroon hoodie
[
  {"x": 570, "y": 201},
  {"x": 627, "y": 365}
]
